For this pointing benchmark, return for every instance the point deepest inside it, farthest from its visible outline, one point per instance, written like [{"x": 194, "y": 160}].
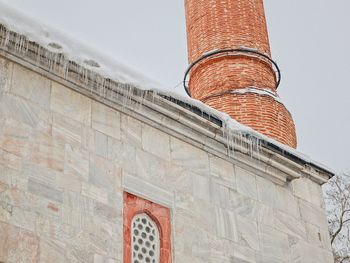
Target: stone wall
[{"x": 66, "y": 159}]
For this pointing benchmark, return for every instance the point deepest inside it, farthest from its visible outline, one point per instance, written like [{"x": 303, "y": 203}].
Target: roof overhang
[{"x": 178, "y": 116}]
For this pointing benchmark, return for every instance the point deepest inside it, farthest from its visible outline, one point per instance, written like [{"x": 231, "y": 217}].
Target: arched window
[
  {"x": 145, "y": 240},
  {"x": 147, "y": 231}
]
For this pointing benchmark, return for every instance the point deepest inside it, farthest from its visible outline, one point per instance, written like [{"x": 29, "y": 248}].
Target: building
[{"x": 97, "y": 166}]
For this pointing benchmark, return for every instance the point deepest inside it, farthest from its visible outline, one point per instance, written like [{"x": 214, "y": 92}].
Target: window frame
[{"x": 160, "y": 215}]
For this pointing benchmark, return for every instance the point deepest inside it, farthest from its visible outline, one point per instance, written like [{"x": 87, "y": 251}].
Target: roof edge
[{"x": 283, "y": 164}]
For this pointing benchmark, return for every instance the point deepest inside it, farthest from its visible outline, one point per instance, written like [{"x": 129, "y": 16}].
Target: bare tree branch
[{"x": 337, "y": 198}]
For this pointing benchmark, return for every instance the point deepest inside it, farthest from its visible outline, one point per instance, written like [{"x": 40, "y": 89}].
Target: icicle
[{"x": 236, "y": 137}]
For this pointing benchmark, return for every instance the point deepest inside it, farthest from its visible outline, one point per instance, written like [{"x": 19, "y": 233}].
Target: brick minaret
[{"x": 242, "y": 80}]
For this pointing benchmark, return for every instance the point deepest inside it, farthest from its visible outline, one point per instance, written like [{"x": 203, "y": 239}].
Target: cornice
[{"x": 154, "y": 109}]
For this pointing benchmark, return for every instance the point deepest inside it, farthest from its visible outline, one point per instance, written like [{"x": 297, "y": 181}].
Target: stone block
[
  {"x": 71, "y": 217},
  {"x": 70, "y": 104},
  {"x": 266, "y": 191},
  {"x": 52, "y": 251},
  {"x": 15, "y": 137},
  {"x": 223, "y": 170},
  {"x": 156, "y": 142},
  {"x": 265, "y": 215},
  {"x": 103, "y": 259},
  {"x": 104, "y": 174},
  {"x": 201, "y": 187},
  {"x": 43, "y": 226},
  {"x": 18, "y": 245},
  {"x": 100, "y": 243},
  {"x": 243, "y": 205},
  {"x": 242, "y": 254},
  {"x": 217, "y": 250},
  {"x": 101, "y": 144},
  {"x": 131, "y": 131},
  {"x": 88, "y": 139},
  {"x": 31, "y": 85},
  {"x": 286, "y": 201},
  {"x": 248, "y": 234},
  {"x": 148, "y": 190},
  {"x": 313, "y": 214},
  {"x": 79, "y": 254},
  {"x": 226, "y": 225},
  {"x": 23, "y": 219},
  {"x": 301, "y": 188},
  {"x": 316, "y": 194},
  {"x": 313, "y": 234},
  {"x": 303, "y": 252},
  {"x": 11, "y": 195},
  {"x": 76, "y": 163},
  {"x": 261, "y": 258},
  {"x": 110, "y": 213},
  {"x": 48, "y": 153},
  {"x": 10, "y": 160},
  {"x": 5, "y": 212},
  {"x": 43, "y": 207},
  {"x": 106, "y": 120},
  {"x": 185, "y": 205},
  {"x": 122, "y": 154},
  {"x": 6, "y": 68},
  {"x": 203, "y": 216},
  {"x": 17, "y": 179},
  {"x": 79, "y": 202},
  {"x": 43, "y": 175},
  {"x": 6, "y": 203},
  {"x": 220, "y": 195},
  {"x": 201, "y": 249},
  {"x": 68, "y": 183},
  {"x": 325, "y": 239},
  {"x": 46, "y": 191},
  {"x": 25, "y": 112},
  {"x": 183, "y": 181},
  {"x": 246, "y": 183},
  {"x": 15, "y": 145},
  {"x": 96, "y": 193},
  {"x": 66, "y": 130},
  {"x": 150, "y": 167},
  {"x": 289, "y": 225},
  {"x": 190, "y": 157},
  {"x": 274, "y": 243}
]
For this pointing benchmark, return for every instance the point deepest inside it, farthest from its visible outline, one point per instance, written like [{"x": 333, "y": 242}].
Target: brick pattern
[
  {"x": 134, "y": 205},
  {"x": 230, "y": 24},
  {"x": 262, "y": 113}
]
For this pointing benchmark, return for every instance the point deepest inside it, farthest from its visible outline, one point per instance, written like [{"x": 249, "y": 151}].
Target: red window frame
[{"x": 134, "y": 205}]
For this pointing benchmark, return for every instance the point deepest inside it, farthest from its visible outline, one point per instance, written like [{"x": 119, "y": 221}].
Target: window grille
[{"x": 144, "y": 240}]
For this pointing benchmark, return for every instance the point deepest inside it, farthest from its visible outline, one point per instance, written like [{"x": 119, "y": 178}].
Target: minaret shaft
[{"x": 232, "y": 81}]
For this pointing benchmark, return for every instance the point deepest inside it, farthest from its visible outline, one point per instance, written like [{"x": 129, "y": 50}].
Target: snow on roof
[
  {"x": 82, "y": 54},
  {"x": 234, "y": 126},
  {"x": 102, "y": 64}
]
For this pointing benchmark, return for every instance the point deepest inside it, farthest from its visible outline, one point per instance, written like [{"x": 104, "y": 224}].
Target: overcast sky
[{"x": 310, "y": 40}]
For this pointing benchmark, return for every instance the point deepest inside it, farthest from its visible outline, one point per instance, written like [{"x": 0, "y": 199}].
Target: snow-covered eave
[
  {"x": 59, "y": 42},
  {"x": 64, "y": 59},
  {"x": 322, "y": 172}
]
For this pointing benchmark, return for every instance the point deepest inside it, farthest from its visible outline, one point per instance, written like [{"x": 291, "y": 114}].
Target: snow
[
  {"x": 59, "y": 42},
  {"x": 233, "y": 126},
  {"x": 255, "y": 90},
  {"x": 74, "y": 50}
]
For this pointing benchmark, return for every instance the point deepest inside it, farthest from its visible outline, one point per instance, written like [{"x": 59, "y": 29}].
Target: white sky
[{"x": 309, "y": 40}]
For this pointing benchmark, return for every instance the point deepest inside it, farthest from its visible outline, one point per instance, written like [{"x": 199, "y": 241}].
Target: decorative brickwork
[
  {"x": 261, "y": 112},
  {"x": 233, "y": 24},
  {"x": 138, "y": 208}
]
